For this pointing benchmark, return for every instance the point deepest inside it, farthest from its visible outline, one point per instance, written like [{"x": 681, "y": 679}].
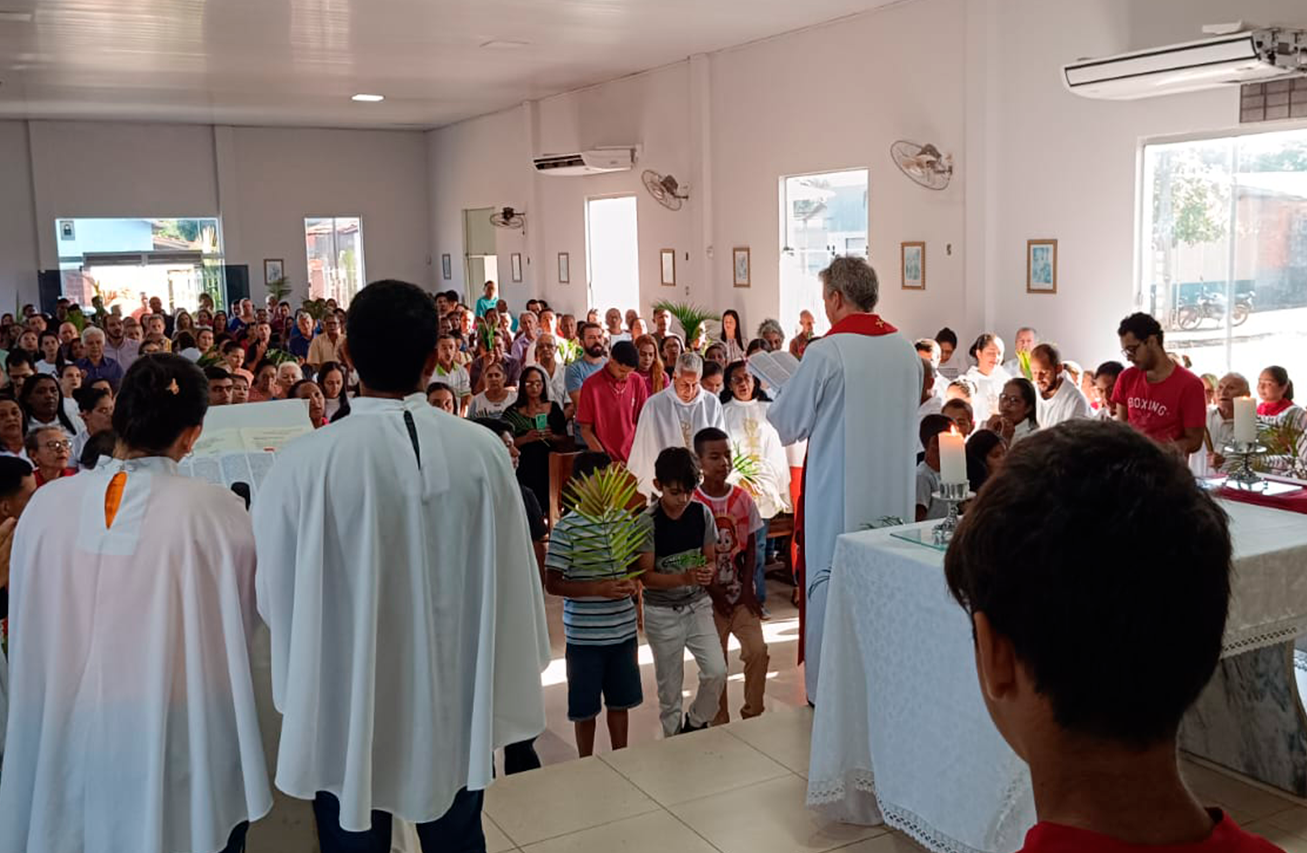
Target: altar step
[{"x": 735, "y": 789}]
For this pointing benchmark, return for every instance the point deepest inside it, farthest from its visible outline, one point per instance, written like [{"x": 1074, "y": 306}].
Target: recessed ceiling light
[
  {"x": 15, "y": 17},
  {"x": 504, "y": 44},
  {"x": 371, "y": 99}
]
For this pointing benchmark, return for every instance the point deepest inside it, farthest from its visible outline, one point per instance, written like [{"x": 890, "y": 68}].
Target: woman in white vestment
[
  {"x": 745, "y": 410},
  {"x": 132, "y": 722},
  {"x": 987, "y": 376}
]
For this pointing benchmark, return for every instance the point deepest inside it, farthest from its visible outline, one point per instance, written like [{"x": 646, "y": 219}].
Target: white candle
[
  {"x": 952, "y": 458},
  {"x": 1245, "y": 420}
]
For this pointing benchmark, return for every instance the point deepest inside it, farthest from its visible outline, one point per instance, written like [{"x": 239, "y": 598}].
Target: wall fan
[
  {"x": 509, "y": 218},
  {"x": 669, "y": 193},
  {"x": 923, "y": 163}
]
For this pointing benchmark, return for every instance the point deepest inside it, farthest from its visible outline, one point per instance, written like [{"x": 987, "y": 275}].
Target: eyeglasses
[
  {"x": 1008, "y": 398},
  {"x": 58, "y": 445},
  {"x": 1129, "y": 352}
]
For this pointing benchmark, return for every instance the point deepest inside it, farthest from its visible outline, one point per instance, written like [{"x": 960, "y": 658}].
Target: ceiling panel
[{"x": 298, "y": 62}]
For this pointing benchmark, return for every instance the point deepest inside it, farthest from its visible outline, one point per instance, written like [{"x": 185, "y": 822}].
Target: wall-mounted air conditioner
[
  {"x": 596, "y": 161},
  {"x": 1236, "y": 58}
]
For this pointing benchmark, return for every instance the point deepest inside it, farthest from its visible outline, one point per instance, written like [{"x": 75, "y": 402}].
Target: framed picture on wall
[
  {"x": 669, "y": 266},
  {"x": 1041, "y": 266},
  {"x": 517, "y": 267},
  {"x": 446, "y": 267},
  {"x": 273, "y": 269},
  {"x": 912, "y": 265},
  {"x": 740, "y": 264},
  {"x": 564, "y": 268}
]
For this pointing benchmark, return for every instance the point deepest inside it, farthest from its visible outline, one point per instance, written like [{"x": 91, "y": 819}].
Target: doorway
[
  {"x": 822, "y": 215},
  {"x": 612, "y": 249},
  {"x": 480, "y": 255}
]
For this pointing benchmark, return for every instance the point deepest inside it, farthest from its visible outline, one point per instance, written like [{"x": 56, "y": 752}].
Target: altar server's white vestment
[
  {"x": 398, "y": 580},
  {"x": 855, "y": 398},
  {"x": 132, "y": 724},
  {"x": 666, "y": 421}
]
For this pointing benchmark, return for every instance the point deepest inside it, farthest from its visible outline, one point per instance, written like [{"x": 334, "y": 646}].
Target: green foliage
[
  {"x": 568, "y": 351},
  {"x": 280, "y": 288},
  {"x": 1023, "y": 358},
  {"x": 486, "y": 334},
  {"x": 316, "y": 308},
  {"x": 1284, "y": 441},
  {"x": 613, "y": 539},
  {"x": 691, "y": 317},
  {"x": 1191, "y": 196},
  {"x": 748, "y": 468},
  {"x": 279, "y": 356}
]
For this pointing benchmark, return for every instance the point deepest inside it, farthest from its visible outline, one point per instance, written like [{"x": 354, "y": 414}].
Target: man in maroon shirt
[
  {"x": 610, "y": 402},
  {"x": 1087, "y": 666},
  {"x": 1157, "y": 396}
]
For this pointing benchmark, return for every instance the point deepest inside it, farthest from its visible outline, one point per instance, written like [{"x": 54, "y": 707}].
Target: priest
[
  {"x": 854, "y": 398},
  {"x": 672, "y": 418},
  {"x": 399, "y": 583}
]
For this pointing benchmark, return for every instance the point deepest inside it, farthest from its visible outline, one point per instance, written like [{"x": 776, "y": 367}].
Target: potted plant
[{"x": 691, "y": 318}]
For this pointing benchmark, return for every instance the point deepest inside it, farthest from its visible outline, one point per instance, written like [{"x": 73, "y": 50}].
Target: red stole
[{"x": 870, "y": 325}]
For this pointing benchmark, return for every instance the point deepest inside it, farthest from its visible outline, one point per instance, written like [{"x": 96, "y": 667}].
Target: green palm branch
[
  {"x": 691, "y": 317},
  {"x": 568, "y": 351},
  {"x": 1284, "y": 439},
  {"x": 613, "y": 538},
  {"x": 749, "y": 469}
]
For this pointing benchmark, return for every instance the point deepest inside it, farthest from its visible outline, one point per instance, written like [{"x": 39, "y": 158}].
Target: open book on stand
[{"x": 773, "y": 368}]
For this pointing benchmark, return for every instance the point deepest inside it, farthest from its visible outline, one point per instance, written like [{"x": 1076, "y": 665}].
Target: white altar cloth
[{"x": 901, "y": 735}]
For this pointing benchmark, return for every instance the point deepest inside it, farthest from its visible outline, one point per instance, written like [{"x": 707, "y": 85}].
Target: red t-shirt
[
  {"x": 611, "y": 408},
  {"x": 1163, "y": 410},
  {"x": 1226, "y": 837}
]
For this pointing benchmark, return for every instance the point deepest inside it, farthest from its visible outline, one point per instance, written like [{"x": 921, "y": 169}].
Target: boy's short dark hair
[
  {"x": 587, "y": 463},
  {"x": 1112, "y": 368},
  {"x": 706, "y": 435},
  {"x": 933, "y": 425},
  {"x": 391, "y": 329},
  {"x": 1121, "y": 647},
  {"x": 625, "y": 354},
  {"x": 1142, "y": 326},
  {"x": 677, "y": 466}
]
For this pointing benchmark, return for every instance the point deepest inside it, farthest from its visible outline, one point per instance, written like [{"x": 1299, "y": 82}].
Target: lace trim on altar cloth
[
  {"x": 1263, "y": 637},
  {"x": 823, "y": 792},
  {"x": 921, "y": 832}
]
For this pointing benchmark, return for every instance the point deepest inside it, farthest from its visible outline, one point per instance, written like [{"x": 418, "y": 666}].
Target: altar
[{"x": 901, "y": 734}]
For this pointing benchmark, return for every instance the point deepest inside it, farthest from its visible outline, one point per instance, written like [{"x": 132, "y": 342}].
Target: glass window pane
[
  {"x": 823, "y": 215},
  {"x": 334, "y": 247}
]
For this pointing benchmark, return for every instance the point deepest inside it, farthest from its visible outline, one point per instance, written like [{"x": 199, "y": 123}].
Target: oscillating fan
[
  {"x": 508, "y": 218},
  {"x": 669, "y": 193},
  {"x": 923, "y": 163}
]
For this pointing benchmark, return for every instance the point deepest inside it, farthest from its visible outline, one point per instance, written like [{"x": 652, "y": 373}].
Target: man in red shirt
[
  {"x": 610, "y": 403},
  {"x": 1088, "y": 686},
  {"x": 1156, "y": 396}
]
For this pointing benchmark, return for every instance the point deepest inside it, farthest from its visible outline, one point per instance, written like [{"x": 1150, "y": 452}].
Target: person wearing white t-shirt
[
  {"x": 613, "y": 327},
  {"x": 546, "y": 358},
  {"x": 1059, "y": 398},
  {"x": 1025, "y": 341},
  {"x": 987, "y": 377},
  {"x": 1220, "y": 425},
  {"x": 450, "y": 372}
]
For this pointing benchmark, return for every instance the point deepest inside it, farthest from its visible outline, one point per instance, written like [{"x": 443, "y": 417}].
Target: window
[
  {"x": 822, "y": 215},
  {"x": 1223, "y": 251},
  {"x": 128, "y": 262},
  {"x": 335, "y": 253},
  {"x": 613, "y": 253}
]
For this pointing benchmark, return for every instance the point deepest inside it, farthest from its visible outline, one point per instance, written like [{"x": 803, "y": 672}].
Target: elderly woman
[
  {"x": 49, "y": 450},
  {"x": 288, "y": 373},
  {"x": 494, "y": 399},
  {"x": 771, "y": 332}
]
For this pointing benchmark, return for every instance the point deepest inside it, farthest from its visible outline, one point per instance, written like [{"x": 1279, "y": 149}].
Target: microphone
[{"x": 243, "y": 491}]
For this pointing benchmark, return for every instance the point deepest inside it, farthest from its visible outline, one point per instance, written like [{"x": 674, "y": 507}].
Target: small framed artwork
[
  {"x": 669, "y": 266},
  {"x": 1041, "y": 266},
  {"x": 912, "y": 265},
  {"x": 273, "y": 269},
  {"x": 740, "y": 263},
  {"x": 564, "y": 269},
  {"x": 446, "y": 267},
  {"x": 517, "y": 267}
]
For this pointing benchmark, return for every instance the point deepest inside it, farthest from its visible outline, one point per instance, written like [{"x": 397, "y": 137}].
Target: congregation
[{"x": 684, "y": 430}]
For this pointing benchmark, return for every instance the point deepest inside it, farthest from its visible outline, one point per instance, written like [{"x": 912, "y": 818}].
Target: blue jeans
[{"x": 760, "y": 573}]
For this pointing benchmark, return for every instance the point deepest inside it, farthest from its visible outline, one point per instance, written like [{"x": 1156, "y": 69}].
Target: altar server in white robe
[
  {"x": 854, "y": 398},
  {"x": 399, "y": 583},
  {"x": 672, "y": 418},
  {"x": 132, "y": 720},
  {"x": 1060, "y": 398}
]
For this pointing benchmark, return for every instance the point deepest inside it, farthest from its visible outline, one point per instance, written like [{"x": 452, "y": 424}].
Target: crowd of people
[{"x": 688, "y": 421}]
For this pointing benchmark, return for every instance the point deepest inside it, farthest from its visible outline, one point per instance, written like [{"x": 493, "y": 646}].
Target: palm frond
[
  {"x": 1284, "y": 440},
  {"x": 691, "y": 317},
  {"x": 612, "y": 537},
  {"x": 748, "y": 469}
]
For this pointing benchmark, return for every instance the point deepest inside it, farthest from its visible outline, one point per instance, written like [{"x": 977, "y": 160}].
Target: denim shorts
[{"x": 610, "y": 671}]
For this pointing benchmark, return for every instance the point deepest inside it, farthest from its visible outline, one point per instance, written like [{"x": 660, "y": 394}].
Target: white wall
[{"x": 262, "y": 181}]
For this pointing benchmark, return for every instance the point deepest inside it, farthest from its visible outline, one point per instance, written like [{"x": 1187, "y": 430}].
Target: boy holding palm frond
[{"x": 589, "y": 563}]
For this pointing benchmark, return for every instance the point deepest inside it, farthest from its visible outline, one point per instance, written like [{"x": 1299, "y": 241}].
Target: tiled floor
[{"x": 735, "y": 789}]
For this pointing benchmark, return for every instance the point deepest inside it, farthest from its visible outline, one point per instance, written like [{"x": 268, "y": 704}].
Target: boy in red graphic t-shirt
[
  {"x": 1157, "y": 396},
  {"x": 1088, "y": 685},
  {"x": 735, "y": 605}
]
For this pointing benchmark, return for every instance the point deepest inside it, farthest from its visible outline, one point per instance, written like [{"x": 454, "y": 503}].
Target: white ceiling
[{"x": 296, "y": 62}]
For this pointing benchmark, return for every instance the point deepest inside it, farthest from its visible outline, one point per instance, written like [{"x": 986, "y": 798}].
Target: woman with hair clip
[{"x": 136, "y": 729}]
